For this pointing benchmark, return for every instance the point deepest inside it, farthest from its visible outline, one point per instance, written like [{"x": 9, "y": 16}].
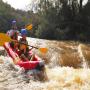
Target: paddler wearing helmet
[
  {"x": 23, "y": 42},
  {"x": 13, "y": 33},
  {"x": 23, "y": 46}
]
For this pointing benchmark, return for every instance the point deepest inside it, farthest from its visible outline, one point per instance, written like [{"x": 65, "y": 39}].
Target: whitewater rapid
[{"x": 67, "y": 68}]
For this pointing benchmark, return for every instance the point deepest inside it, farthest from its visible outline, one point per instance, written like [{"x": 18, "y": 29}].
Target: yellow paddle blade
[
  {"x": 29, "y": 27},
  {"x": 43, "y": 50},
  {"x": 4, "y": 38}
]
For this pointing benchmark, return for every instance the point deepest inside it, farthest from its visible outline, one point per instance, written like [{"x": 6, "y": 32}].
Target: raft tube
[{"x": 36, "y": 63}]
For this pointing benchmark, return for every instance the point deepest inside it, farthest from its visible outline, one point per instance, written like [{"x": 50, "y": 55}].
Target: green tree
[{"x": 62, "y": 19}]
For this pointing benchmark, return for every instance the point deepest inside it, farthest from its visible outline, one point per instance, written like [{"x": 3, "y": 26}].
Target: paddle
[
  {"x": 29, "y": 27},
  {"x": 5, "y": 38}
]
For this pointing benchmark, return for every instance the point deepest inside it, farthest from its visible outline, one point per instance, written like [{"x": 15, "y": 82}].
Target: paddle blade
[
  {"x": 29, "y": 27},
  {"x": 43, "y": 50},
  {"x": 4, "y": 38}
]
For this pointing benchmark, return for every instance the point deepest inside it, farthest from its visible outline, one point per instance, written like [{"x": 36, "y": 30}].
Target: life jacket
[
  {"x": 23, "y": 46},
  {"x": 14, "y": 46},
  {"x": 13, "y": 34}
]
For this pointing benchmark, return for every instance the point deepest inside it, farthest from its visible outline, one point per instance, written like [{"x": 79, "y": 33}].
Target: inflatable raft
[{"x": 36, "y": 63}]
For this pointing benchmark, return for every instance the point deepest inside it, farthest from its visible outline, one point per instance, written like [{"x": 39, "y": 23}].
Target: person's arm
[{"x": 30, "y": 48}]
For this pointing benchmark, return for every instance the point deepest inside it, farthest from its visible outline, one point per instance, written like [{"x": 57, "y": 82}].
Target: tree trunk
[{"x": 80, "y": 7}]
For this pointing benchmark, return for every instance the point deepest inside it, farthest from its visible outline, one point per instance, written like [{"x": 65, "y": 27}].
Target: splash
[
  {"x": 84, "y": 62},
  {"x": 66, "y": 68}
]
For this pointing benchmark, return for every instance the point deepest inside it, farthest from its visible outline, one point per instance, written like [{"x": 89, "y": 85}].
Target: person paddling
[
  {"x": 13, "y": 33},
  {"x": 23, "y": 47}
]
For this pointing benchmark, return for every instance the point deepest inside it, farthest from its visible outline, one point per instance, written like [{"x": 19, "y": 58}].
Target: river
[{"x": 66, "y": 64}]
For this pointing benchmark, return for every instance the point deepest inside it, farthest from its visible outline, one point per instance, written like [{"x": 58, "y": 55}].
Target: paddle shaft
[
  {"x": 5, "y": 38},
  {"x": 27, "y": 44}
]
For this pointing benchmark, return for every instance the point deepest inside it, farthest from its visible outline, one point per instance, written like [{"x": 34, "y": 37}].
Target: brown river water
[{"x": 66, "y": 65}]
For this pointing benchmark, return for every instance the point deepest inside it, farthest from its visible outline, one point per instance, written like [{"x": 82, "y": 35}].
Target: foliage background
[{"x": 54, "y": 19}]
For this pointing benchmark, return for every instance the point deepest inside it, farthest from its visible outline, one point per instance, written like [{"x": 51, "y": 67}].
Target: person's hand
[
  {"x": 31, "y": 48},
  {"x": 32, "y": 57},
  {"x": 16, "y": 60}
]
